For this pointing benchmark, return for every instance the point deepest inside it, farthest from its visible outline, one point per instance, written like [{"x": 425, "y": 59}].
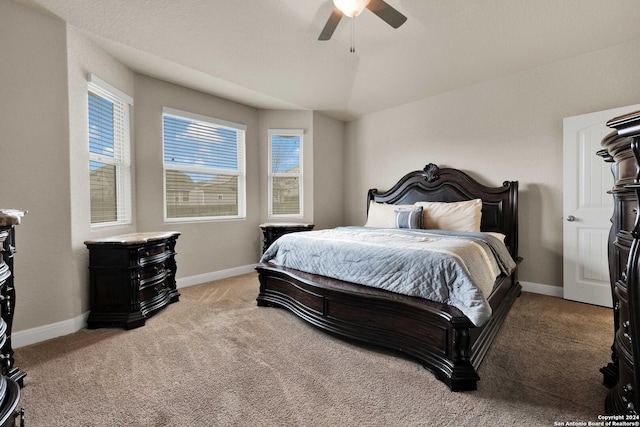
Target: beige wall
[
  {"x": 323, "y": 154},
  {"x": 328, "y": 188},
  {"x": 84, "y": 57},
  {"x": 34, "y": 166},
  {"x": 505, "y": 129},
  {"x": 207, "y": 246},
  {"x": 43, "y": 144}
]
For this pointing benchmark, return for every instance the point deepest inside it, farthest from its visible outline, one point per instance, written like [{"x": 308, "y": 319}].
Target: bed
[{"x": 445, "y": 340}]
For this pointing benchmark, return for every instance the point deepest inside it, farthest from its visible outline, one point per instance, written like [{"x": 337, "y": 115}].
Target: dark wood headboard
[{"x": 432, "y": 184}]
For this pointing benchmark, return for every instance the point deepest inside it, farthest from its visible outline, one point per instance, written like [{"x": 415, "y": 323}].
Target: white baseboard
[
  {"x": 537, "y": 288},
  {"x": 53, "y": 330},
  {"x": 58, "y": 329},
  {"x": 215, "y": 275}
]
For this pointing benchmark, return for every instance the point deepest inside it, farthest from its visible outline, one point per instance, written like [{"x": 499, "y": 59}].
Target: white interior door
[{"x": 587, "y": 207}]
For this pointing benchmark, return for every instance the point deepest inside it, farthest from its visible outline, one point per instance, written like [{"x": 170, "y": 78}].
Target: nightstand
[{"x": 273, "y": 230}]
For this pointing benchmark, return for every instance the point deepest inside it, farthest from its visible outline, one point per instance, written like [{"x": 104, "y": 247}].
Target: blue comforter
[{"x": 455, "y": 268}]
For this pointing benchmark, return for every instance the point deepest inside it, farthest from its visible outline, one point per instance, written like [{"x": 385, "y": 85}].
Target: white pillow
[
  {"x": 383, "y": 214},
  {"x": 453, "y": 216}
]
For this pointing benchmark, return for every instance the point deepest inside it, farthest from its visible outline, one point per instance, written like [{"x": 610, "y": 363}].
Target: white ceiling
[{"x": 265, "y": 53}]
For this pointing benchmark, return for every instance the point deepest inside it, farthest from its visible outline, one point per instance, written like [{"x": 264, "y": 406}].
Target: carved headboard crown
[{"x": 431, "y": 172}]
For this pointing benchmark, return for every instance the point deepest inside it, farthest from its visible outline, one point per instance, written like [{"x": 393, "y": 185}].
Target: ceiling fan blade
[
  {"x": 331, "y": 24},
  {"x": 387, "y": 13}
]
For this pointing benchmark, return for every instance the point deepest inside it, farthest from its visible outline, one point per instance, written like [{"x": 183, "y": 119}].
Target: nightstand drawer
[
  {"x": 153, "y": 253},
  {"x": 152, "y": 290},
  {"x": 153, "y": 271}
]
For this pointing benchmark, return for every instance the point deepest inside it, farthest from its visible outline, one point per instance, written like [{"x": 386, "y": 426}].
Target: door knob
[{"x": 571, "y": 218}]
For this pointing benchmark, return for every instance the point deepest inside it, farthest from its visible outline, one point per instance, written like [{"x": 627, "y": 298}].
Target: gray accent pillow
[{"x": 409, "y": 217}]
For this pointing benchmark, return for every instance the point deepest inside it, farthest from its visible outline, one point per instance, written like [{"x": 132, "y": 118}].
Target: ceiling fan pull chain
[{"x": 353, "y": 35}]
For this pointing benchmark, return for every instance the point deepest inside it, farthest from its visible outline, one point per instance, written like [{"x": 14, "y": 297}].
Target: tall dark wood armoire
[
  {"x": 622, "y": 148},
  {"x": 11, "y": 378}
]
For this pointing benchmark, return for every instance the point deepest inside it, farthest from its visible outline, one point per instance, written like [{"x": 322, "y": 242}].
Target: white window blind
[
  {"x": 204, "y": 167},
  {"x": 285, "y": 173},
  {"x": 109, "y": 154}
]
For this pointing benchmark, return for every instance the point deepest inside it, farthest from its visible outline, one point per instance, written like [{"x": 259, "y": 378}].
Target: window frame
[
  {"x": 121, "y": 160},
  {"x": 299, "y": 175},
  {"x": 241, "y": 173}
]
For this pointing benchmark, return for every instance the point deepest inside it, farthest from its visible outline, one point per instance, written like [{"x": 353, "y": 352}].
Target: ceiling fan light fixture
[{"x": 351, "y": 8}]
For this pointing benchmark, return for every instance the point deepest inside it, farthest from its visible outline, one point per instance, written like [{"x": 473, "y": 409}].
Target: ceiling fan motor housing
[{"x": 351, "y": 8}]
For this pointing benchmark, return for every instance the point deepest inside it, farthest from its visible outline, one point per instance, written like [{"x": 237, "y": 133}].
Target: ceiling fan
[{"x": 353, "y": 8}]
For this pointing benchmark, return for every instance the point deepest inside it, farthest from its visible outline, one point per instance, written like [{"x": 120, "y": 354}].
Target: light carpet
[{"x": 217, "y": 359}]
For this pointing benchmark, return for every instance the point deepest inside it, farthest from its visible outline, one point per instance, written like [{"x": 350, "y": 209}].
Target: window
[
  {"x": 204, "y": 167},
  {"x": 285, "y": 173},
  {"x": 109, "y": 154}
]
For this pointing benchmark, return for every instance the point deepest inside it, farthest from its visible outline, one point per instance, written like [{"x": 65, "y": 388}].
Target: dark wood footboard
[{"x": 439, "y": 336}]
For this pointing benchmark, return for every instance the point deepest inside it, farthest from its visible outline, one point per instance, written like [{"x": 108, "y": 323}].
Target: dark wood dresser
[
  {"x": 132, "y": 276},
  {"x": 622, "y": 374},
  {"x": 12, "y": 378}
]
